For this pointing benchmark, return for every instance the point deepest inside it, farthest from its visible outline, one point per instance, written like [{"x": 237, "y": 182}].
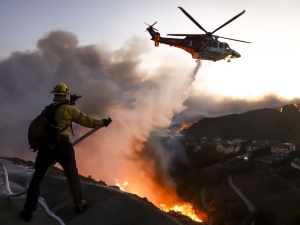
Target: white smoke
[{"x": 112, "y": 83}]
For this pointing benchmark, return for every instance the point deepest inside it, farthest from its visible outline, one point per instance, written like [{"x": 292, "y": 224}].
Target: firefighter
[{"x": 63, "y": 153}]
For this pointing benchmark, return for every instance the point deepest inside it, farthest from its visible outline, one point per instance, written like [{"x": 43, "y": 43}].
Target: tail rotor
[{"x": 151, "y": 26}]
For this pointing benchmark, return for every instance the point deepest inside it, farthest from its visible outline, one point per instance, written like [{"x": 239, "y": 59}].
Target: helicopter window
[
  {"x": 227, "y": 49},
  {"x": 215, "y": 45},
  {"x": 221, "y": 45}
]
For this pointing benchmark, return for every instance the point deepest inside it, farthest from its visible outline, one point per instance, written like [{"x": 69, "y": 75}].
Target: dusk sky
[{"x": 268, "y": 66}]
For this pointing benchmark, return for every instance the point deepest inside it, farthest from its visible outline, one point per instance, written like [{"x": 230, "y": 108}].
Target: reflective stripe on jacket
[{"x": 66, "y": 114}]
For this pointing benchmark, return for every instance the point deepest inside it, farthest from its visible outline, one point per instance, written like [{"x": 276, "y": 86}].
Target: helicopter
[{"x": 200, "y": 46}]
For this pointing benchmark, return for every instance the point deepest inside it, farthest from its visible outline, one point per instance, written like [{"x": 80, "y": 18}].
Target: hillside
[
  {"x": 107, "y": 204},
  {"x": 274, "y": 198},
  {"x": 273, "y": 191},
  {"x": 203, "y": 176},
  {"x": 261, "y": 124}
]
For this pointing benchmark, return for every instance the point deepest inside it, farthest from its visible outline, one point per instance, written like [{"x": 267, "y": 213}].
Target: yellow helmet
[{"x": 60, "y": 89}]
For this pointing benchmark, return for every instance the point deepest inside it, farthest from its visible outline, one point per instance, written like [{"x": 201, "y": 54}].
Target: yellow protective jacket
[{"x": 66, "y": 114}]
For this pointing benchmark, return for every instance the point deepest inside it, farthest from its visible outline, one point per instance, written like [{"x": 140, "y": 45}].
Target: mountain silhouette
[{"x": 273, "y": 124}]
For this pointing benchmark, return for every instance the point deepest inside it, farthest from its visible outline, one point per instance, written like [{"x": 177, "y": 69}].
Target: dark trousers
[{"x": 65, "y": 156}]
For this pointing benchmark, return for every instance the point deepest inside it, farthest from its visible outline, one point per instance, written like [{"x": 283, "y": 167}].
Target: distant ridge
[{"x": 272, "y": 124}]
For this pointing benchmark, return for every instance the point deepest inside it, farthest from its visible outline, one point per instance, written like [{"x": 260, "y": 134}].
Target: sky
[
  {"x": 267, "y": 66},
  {"x": 101, "y": 51}
]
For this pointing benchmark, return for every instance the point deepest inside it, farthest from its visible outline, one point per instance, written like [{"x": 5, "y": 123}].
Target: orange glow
[
  {"x": 184, "y": 126},
  {"x": 280, "y": 110},
  {"x": 169, "y": 196},
  {"x": 184, "y": 208},
  {"x": 139, "y": 177},
  {"x": 120, "y": 155},
  {"x": 297, "y": 106},
  {"x": 121, "y": 185}
]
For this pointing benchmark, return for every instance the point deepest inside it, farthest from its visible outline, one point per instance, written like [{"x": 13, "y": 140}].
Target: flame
[
  {"x": 122, "y": 186},
  {"x": 180, "y": 127},
  {"x": 184, "y": 209},
  {"x": 297, "y": 106},
  {"x": 183, "y": 126}
]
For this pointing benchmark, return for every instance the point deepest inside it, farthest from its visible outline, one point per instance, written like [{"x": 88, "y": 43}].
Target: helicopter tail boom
[{"x": 155, "y": 36}]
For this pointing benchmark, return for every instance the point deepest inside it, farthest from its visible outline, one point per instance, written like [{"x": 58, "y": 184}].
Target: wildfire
[
  {"x": 180, "y": 127},
  {"x": 121, "y": 185},
  {"x": 184, "y": 208},
  {"x": 297, "y": 106},
  {"x": 185, "y": 126}
]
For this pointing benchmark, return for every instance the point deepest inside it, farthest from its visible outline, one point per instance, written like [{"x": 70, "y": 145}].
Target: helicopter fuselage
[{"x": 199, "y": 46}]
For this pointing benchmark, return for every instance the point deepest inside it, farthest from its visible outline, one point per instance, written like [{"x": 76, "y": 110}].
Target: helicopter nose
[{"x": 236, "y": 54}]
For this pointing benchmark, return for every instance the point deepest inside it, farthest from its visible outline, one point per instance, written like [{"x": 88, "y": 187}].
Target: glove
[
  {"x": 73, "y": 99},
  {"x": 107, "y": 121}
]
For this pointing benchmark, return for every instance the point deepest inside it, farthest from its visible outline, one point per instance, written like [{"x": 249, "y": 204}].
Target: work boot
[
  {"x": 26, "y": 215},
  {"x": 81, "y": 207}
]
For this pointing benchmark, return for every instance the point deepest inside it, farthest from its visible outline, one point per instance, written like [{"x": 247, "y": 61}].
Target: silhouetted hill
[{"x": 280, "y": 124}]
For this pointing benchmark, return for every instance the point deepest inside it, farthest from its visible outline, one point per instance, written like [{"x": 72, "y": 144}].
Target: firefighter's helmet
[{"x": 60, "y": 89}]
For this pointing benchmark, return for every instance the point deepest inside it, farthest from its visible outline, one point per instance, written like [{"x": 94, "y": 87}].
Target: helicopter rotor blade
[
  {"x": 229, "y": 21},
  {"x": 185, "y": 34},
  {"x": 232, "y": 39},
  {"x": 192, "y": 19},
  {"x": 151, "y": 25}
]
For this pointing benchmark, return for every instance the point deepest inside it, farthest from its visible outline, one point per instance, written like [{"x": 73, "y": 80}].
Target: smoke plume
[{"x": 113, "y": 84}]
